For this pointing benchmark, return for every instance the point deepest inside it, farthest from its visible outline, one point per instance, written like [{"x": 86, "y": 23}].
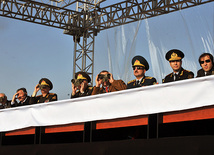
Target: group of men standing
[{"x": 106, "y": 83}]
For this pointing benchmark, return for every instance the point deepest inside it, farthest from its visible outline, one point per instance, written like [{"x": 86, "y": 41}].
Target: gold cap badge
[
  {"x": 44, "y": 83},
  {"x": 174, "y": 56},
  {"x": 137, "y": 63},
  {"x": 81, "y": 77}
]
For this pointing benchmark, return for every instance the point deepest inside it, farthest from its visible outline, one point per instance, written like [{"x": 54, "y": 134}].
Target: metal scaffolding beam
[
  {"x": 134, "y": 10},
  {"x": 88, "y": 19}
]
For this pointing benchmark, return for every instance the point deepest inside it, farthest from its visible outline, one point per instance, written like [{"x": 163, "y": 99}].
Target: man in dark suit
[
  {"x": 175, "y": 57},
  {"x": 4, "y": 103},
  {"x": 21, "y": 95},
  {"x": 206, "y": 62},
  {"x": 140, "y": 66}
]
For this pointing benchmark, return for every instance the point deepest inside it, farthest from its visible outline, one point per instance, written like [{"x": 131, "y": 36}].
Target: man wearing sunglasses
[
  {"x": 206, "y": 62},
  {"x": 175, "y": 57},
  {"x": 105, "y": 83},
  {"x": 140, "y": 66}
]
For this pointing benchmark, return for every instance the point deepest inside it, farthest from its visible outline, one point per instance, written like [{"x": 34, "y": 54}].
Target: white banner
[{"x": 159, "y": 98}]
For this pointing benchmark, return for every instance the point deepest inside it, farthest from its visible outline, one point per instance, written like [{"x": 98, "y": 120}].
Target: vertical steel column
[
  {"x": 84, "y": 40},
  {"x": 84, "y": 55},
  {"x": 153, "y": 126}
]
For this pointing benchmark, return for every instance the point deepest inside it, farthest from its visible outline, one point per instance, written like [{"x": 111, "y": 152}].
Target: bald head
[{"x": 3, "y": 98}]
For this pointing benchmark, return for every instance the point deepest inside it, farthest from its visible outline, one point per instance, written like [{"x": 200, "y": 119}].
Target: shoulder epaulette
[
  {"x": 148, "y": 77},
  {"x": 169, "y": 74},
  {"x": 39, "y": 96},
  {"x": 131, "y": 81},
  {"x": 52, "y": 94},
  {"x": 187, "y": 70}
]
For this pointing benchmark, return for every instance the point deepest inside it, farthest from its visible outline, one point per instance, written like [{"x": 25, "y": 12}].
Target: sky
[{"x": 29, "y": 51}]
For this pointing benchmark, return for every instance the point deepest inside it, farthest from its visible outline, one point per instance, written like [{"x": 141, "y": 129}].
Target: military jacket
[
  {"x": 201, "y": 72},
  {"x": 87, "y": 92},
  {"x": 182, "y": 75},
  {"x": 146, "y": 81},
  {"x": 40, "y": 99}
]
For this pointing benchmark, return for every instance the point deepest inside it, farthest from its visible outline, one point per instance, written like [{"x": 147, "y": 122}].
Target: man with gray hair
[{"x": 4, "y": 103}]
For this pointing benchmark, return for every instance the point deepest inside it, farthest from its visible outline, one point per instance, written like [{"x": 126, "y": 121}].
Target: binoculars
[
  {"x": 41, "y": 86},
  {"x": 104, "y": 77},
  {"x": 1, "y": 99},
  {"x": 77, "y": 82}
]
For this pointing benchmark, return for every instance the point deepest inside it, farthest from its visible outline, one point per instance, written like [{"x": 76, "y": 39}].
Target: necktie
[
  {"x": 138, "y": 83},
  {"x": 106, "y": 89},
  {"x": 176, "y": 77}
]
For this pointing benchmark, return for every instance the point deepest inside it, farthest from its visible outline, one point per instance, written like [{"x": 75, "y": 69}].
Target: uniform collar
[
  {"x": 179, "y": 72},
  {"x": 140, "y": 79}
]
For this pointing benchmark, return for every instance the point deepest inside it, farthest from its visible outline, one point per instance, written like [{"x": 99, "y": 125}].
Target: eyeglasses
[
  {"x": 138, "y": 67},
  {"x": 207, "y": 61}
]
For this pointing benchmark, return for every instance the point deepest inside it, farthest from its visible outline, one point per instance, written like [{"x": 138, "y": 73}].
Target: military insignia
[
  {"x": 80, "y": 77},
  {"x": 44, "y": 83},
  {"x": 137, "y": 63},
  {"x": 143, "y": 81},
  {"x": 182, "y": 73},
  {"x": 170, "y": 74},
  {"x": 148, "y": 77},
  {"x": 54, "y": 98},
  {"x": 212, "y": 72},
  {"x": 132, "y": 81},
  {"x": 174, "y": 56}
]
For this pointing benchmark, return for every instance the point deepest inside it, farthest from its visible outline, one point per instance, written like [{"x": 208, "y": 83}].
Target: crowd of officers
[{"x": 106, "y": 83}]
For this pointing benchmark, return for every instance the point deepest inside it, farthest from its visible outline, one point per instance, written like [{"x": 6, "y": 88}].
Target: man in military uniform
[
  {"x": 105, "y": 83},
  {"x": 4, "y": 103},
  {"x": 80, "y": 85},
  {"x": 45, "y": 85},
  {"x": 206, "y": 62},
  {"x": 175, "y": 57},
  {"x": 21, "y": 95},
  {"x": 140, "y": 66}
]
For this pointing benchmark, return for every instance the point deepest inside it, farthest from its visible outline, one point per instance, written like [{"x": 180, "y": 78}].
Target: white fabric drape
[
  {"x": 159, "y": 98},
  {"x": 190, "y": 30}
]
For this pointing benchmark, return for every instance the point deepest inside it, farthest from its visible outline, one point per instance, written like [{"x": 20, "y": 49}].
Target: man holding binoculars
[
  {"x": 105, "y": 79},
  {"x": 45, "y": 85},
  {"x": 80, "y": 85}
]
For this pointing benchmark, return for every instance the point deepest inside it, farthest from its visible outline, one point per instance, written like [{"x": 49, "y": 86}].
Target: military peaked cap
[
  {"x": 46, "y": 82},
  {"x": 174, "y": 54},
  {"x": 83, "y": 76},
  {"x": 140, "y": 61}
]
